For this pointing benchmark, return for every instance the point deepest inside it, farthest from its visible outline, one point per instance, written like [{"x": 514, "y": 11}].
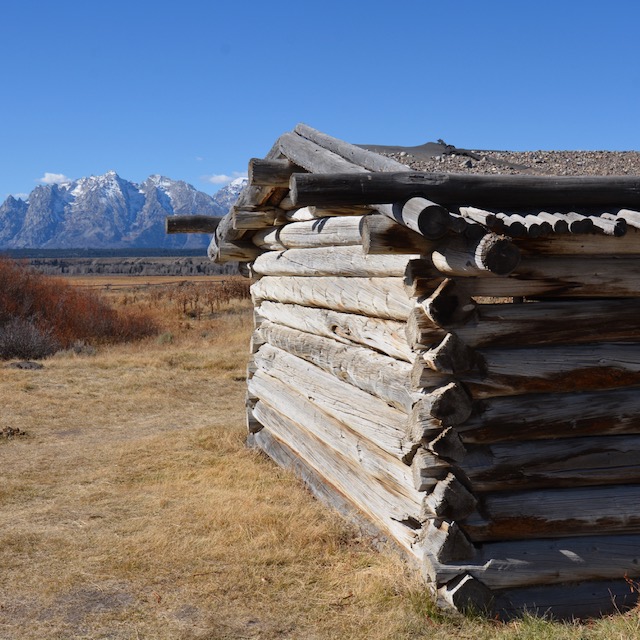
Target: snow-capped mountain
[{"x": 108, "y": 212}]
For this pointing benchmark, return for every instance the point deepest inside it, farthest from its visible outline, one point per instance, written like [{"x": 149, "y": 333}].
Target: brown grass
[{"x": 133, "y": 510}]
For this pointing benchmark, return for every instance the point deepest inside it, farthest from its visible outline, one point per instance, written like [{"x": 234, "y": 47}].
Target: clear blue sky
[{"x": 193, "y": 89}]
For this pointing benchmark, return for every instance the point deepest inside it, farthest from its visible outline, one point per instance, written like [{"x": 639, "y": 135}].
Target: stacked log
[{"x": 464, "y": 378}]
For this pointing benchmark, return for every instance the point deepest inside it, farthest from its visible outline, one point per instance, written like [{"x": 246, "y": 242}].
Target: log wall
[{"x": 466, "y": 379}]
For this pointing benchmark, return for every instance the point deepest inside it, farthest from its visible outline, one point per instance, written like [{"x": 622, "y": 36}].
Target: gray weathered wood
[
  {"x": 504, "y": 565},
  {"x": 427, "y": 469},
  {"x": 543, "y": 513},
  {"x": 384, "y": 336},
  {"x": 376, "y": 297},
  {"x": 561, "y": 368},
  {"x": 450, "y": 499},
  {"x": 545, "y": 276},
  {"x": 343, "y": 474},
  {"x": 382, "y": 235},
  {"x": 320, "y": 232},
  {"x": 357, "y": 155},
  {"x": 284, "y": 456},
  {"x": 380, "y": 466},
  {"x": 467, "y": 595},
  {"x": 330, "y": 261},
  {"x": 566, "y": 602},
  {"x": 377, "y": 374},
  {"x": 564, "y": 462},
  {"x": 365, "y": 414},
  {"x": 314, "y": 158},
  {"x": 503, "y": 325},
  {"x": 271, "y": 173},
  {"x": 491, "y": 253},
  {"x": 554, "y": 415},
  {"x": 516, "y": 191}
]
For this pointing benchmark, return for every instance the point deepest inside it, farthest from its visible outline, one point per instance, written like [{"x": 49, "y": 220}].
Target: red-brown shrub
[{"x": 61, "y": 312}]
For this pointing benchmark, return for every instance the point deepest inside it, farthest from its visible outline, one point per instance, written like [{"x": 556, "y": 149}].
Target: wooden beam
[
  {"x": 540, "y": 416},
  {"x": 516, "y": 191},
  {"x": 382, "y": 235},
  {"x": 503, "y": 325},
  {"x": 384, "y": 336},
  {"x": 508, "y": 565},
  {"x": 357, "y": 155},
  {"x": 377, "y": 374},
  {"x": 375, "y": 297},
  {"x": 489, "y": 254},
  {"x": 272, "y": 173},
  {"x": 544, "y": 513},
  {"x": 343, "y": 475},
  {"x": 314, "y": 158},
  {"x": 563, "y": 462},
  {"x": 191, "y": 224},
  {"x": 363, "y": 413},
  {"x": 378, "y": 465},
  {"x": 340, "y": 261},
  {"x": 542, "y": 277},
  {"x": 319, "y": 232}
]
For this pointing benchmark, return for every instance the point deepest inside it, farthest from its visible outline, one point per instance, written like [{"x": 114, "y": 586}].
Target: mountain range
[{"x": 109, "y": 212}]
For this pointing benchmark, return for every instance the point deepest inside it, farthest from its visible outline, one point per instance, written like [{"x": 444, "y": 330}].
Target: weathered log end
[
  {"x": 467, "y": 595},
  {"x": 450, "y": 304}
]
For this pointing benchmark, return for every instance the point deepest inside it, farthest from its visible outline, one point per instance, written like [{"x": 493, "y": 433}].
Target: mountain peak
[{"x": 107, "y": 212}]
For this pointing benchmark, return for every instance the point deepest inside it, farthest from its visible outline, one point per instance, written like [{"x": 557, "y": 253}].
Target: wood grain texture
[
  {"x": 365, "y": 414},
  {"x": 319, "y": 232},
  {"x": 376, "y": 297},
  {"x": 377, "y": 374},
  {"x": 540, "y": 416},
  {"x": 384, "y": 336},
  {"x": 341, "y": 261}
]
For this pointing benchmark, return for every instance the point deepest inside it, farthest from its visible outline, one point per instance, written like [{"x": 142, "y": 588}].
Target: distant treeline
[
  {"x": 20, "y": 254},
  {"x": 138, "y": 266}
]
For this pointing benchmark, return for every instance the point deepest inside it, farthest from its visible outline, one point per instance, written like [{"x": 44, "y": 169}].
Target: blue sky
[{"x": 193, "y": 89}]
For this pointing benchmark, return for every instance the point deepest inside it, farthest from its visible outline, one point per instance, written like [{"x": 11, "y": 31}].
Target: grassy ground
[{"x": 133, "y": 510}]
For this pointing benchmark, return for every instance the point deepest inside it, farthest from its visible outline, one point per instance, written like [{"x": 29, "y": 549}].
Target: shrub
[
  {"x": 41, "y": 310},
  {"x": 22, "y": 339}
]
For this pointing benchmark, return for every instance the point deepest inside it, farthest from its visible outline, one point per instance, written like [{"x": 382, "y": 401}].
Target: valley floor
[{"x": 132, "y": 510}]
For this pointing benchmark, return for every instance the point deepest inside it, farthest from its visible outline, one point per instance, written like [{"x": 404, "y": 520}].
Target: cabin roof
[{"x": 509, "y": 193}]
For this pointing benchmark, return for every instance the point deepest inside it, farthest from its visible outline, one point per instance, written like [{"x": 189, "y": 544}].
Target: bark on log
[
  {"x": 384, "y": 336},
  {"x": 320, "y": 232},
  {"x": 558, "y": 513},
  {"x": 379, "y": 375},
  {"x": 554, "y": 415},
  {"x": 191, "y": 224},
  {"x": 347, "y": 261},
  {"x": 510, "y": 191},
  {"x": 376, "y": 297}
]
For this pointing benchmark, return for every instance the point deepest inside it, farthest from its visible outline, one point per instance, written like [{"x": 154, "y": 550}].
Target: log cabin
[{"x": 454, "y": 361}]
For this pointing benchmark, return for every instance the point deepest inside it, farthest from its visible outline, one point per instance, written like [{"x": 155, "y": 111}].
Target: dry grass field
[{"x": 132, "y": 510}]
